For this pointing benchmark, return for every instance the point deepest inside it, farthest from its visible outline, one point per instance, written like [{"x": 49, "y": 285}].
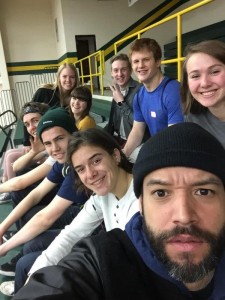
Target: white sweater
[{"x": 115, "y": 213}]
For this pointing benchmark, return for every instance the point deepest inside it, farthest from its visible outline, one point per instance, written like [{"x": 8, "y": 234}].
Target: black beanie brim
[{"x": 180, "y": 145}]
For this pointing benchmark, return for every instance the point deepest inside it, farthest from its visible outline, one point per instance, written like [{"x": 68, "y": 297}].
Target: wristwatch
[{"x": 120, "y": 103}]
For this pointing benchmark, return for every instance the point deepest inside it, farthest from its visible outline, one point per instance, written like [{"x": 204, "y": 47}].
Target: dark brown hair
[
  {"x": 99, "y": 138},
  {"x": 82, "y": 93},
  {"x": 122, "y": 57},
  {"x": 33, "y": 107},
  {"x": 146, "y": 43}
]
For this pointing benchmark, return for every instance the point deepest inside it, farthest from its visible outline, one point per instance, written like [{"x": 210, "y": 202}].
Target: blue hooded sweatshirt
[{"x": 138, "y": 238}]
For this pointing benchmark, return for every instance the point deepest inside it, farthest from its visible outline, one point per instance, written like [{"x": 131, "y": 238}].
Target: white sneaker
[
  {"x": 7, "y": 288},
  {"x": 5, "y": 198}
]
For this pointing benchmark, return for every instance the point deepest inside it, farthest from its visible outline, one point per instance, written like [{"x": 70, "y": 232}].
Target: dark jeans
[
  {"x": 31, "y": 251},
  {"x": 33, "y": 248}
]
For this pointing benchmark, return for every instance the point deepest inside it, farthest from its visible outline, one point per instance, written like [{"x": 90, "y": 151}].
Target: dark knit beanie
[
  {"x": 184, "y": 145},
  {"x": 56, "y": 116}
]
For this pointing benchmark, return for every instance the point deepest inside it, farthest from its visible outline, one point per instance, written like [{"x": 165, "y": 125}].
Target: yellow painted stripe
[
  {"x": 146, "y": 22},
  {"x": 70, "y": 60},
  {"x": 30, "y": 68},
  {"x": 110, "y": 49},
  {"x": 40, "y": 67}
]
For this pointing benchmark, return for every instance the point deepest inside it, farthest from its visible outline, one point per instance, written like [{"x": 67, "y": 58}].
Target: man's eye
[
  {"x": 160, "y": 193},
  {"x": 204, "y": 192}
]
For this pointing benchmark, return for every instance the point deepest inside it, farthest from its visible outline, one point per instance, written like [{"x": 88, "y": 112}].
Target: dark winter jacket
[
  {"x": 109, "y": 266},
  {"x": 125, "y": 110},
  {"x": 48, "y": 96}
]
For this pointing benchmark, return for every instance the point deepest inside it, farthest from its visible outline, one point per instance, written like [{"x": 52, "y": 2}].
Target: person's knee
[
  {"x": 23, "y": 266},
  {"x": 25, "y": 263},
  {"x": 28, "y": 247}
]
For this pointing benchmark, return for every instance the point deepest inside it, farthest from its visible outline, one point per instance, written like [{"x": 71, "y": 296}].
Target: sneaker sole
[
  {"x": 5, "y": 288},
  {"x": 7, "y": 273}
]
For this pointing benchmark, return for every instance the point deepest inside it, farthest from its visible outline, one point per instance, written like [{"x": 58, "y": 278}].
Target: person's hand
[
  {"x": 117, "y": 95},
  {"x": 36, "y": 145},
  {"x": 26, "y": 149}
]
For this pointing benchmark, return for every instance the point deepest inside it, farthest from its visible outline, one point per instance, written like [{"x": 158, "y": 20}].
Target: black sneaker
[
  {"x": 8, "y": 234},
  {"x": 8, "y": 269}
]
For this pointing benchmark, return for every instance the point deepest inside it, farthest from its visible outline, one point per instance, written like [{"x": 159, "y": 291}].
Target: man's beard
[{"x": 187, "y": 272}]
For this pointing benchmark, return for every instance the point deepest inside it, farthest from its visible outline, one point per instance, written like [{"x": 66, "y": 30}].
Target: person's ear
[
  {"x": 116, "y": 156},
  {"x": 141, "y": 205},
  {"x": 158, "y": 63}
]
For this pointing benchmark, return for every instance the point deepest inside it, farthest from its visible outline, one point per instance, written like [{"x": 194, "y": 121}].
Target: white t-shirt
[
  {"x": 50, "y": 161},
  {"x": 115, "y": 213}
]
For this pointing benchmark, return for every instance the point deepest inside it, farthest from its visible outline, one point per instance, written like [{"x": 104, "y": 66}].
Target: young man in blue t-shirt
[{"x": 157, "y": 104}]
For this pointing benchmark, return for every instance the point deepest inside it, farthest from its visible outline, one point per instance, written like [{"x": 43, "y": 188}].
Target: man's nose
[
  {"x": 32, "y": 127},
  {"x": 184, "y": 210},
  {"x": 55, "y": 146},
  {"x": 140, "y": 63}
]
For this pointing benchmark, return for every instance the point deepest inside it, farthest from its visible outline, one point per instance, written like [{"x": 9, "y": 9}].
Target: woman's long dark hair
[
  {"x": 82, "y": 93},
  {"x": 98, "y": 138}
]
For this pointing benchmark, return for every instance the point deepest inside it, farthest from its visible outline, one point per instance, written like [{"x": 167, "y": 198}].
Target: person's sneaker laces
[
  {"x": 8, "y": 269},
  {"x": 7, "y": 288},
  {"x": 5, "y": 197}
]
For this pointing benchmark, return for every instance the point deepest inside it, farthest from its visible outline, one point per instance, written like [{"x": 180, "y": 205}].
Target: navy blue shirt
[{"x": 67, "y": 189}]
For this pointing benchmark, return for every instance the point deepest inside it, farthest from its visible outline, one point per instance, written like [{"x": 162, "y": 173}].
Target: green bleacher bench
[
  {"x": 18, "y": 133},
  {"x": 100, "y": 111}
]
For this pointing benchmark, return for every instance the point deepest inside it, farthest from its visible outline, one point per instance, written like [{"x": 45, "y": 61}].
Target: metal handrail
[
  {"x": 178, "y": 16},
  {"x": 7, "y": 120},
  {"x": 96, "y": 64}
]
